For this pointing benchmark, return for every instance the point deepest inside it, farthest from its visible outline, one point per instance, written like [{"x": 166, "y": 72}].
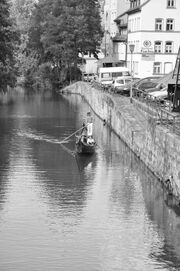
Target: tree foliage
[
  {"x": 21, "y": 12},
  {"x": 54, "y": 32},
  {"x": 62, "y": 29},
  {"x": 74, "y": 26},
  {"x": 8, "y": 37}
]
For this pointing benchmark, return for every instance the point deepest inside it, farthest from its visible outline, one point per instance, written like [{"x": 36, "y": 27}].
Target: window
[
  {"x": 170, "y": 3},
  {"x": 158, "y": 46},
  {"x": 135, "y": 3},
  {"x": 157, "y": 68},
  {"x": 118, "y": 74},
  {"x": 168, "y": 47},
  {"x": 105, "y": 75},
  {"x": 159, "y": 24},
  {"x": 169, "y": 24}
]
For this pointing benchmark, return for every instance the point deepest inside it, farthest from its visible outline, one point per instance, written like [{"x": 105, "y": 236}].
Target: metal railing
[{"x": 161, "y": 109}]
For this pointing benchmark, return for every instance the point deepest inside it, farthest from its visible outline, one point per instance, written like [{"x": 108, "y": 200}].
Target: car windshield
[
  {"x": 146, "y": 85},
  {"x": 126, "y": 74},
  {"x": 105, "y": 75},
  {"x": 127, "y": 81},
  {"x": 145, "y": 80},
  {"x": 120, "y": 81}
]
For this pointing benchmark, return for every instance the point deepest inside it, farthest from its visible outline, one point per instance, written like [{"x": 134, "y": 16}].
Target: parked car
[
  {"x": 157, "y": 87},
  {"x": 88, "y": 77},
  {"x": 125, "y": 89},
  {"x": 144, "y": 84},
  {"x": 106, "y": 84},
  {"x": 119, "y": 84},
  {"x": 91, "y": 77},
  {"x": 159, "y": 95},
  {"x": 111, "y": 73}
]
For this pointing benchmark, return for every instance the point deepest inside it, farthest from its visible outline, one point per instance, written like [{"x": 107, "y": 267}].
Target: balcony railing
[
  {"x": 119, "y": 38},
  {"x": 122, "y": 25}
]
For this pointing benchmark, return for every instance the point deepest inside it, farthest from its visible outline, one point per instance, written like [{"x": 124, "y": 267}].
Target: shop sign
[{"x": 147, "y": 50}]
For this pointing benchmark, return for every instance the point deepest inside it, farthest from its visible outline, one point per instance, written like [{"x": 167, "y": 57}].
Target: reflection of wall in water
[
  {"x": 6, "y": 145},
  {"x": 164, "y": 219}
]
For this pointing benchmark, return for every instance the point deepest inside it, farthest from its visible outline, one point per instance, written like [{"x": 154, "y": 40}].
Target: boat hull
[{"x": 85, "y": 148}]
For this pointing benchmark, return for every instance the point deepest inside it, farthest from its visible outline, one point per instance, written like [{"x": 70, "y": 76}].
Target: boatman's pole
[{"x": 64, "y": 140}]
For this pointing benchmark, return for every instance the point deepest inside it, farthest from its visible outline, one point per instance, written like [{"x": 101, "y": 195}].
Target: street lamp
[{"x": 131, "y": 48}]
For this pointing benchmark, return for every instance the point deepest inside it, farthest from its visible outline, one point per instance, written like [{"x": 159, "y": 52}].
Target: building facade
[
  {"x": 120, "y": 40},
  {"x": 154, "y": 29},
  {"x": 111, "y": 46}
]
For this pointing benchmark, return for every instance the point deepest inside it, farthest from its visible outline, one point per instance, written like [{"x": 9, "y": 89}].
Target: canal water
[{"x": 67, "y": 213}]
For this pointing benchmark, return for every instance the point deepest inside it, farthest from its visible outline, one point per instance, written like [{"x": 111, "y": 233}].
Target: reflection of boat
[
  {"x": 85, "y": 162},
  {"x": 84, "y": 145}
]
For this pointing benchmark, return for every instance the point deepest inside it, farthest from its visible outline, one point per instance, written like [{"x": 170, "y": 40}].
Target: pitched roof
[
  {"x": 131, "y": 10},
  {"x": 124, "y": 13},
  {"x": 137, "y": 9}
]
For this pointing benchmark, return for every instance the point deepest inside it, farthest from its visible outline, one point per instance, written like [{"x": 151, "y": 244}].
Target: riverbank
[{"x": 155, "y": 145}]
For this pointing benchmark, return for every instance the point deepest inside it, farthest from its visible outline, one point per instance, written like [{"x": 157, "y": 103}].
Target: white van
[{"x": 107, "y": 75}]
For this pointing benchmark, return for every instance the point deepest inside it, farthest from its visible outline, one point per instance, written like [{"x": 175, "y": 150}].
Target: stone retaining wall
[{"x": 155, "y": 145}]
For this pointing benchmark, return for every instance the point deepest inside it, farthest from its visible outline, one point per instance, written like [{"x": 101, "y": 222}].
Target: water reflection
[
  {"x": 60, "y": 211},
  {"x": 86, "y": 163},
  {"x": 165, "y": 221}
]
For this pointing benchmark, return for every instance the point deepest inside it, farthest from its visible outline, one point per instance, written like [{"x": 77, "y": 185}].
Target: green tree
[
  {"x": 68, "y": 28},
  {"x": 53, "y": 35},
  {"x": 21, "y": 12},
  {"x": 8, "y": 38},
  {"x": 90, "y": 34}
]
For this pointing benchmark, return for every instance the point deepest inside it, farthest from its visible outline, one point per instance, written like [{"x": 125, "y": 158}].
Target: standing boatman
[{"x": 89, "y": 124}]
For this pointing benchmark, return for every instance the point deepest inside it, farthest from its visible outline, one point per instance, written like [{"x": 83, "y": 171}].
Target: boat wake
[{"x": 41, "y": 137}]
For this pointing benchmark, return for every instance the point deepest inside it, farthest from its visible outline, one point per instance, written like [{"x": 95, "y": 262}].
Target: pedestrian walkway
[{"x": 130, "y": 112}]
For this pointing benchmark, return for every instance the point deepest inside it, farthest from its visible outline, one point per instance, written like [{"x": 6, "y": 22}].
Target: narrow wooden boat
[{"x": 83, "y": 146}]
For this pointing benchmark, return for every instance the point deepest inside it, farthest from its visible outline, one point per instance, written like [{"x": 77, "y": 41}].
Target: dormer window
[
  {"x": 135, "y": 3},
  {"x": 171, "y": 3}
]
